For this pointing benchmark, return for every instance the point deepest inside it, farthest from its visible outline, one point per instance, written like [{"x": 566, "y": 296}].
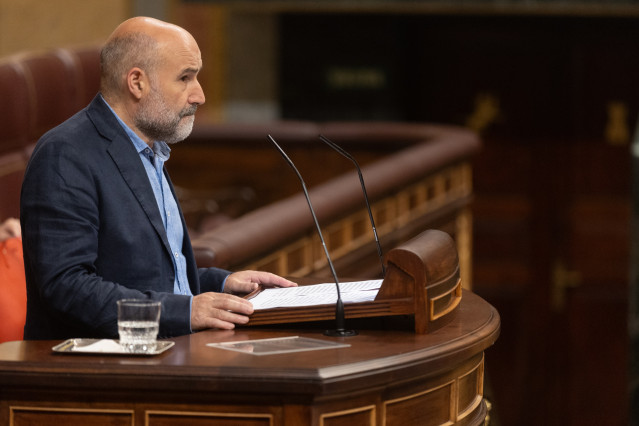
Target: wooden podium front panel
[
  {"x": 455, "y": 397},
  {"x": 33, "y": 416},
  {"x": 178, "y": 418},
  {"x": 365, "y": 415},
  {"x": 385, "y": 377}
]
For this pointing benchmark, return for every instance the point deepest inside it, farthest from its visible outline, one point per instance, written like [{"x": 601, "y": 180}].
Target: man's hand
[
  {"x": 248, "y": 281},
  {"x": 219, "y": 310},
  {"x": 223, "y": 311}
]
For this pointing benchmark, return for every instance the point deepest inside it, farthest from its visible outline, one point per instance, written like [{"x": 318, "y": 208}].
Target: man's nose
[{"x": 197, "y": 95}]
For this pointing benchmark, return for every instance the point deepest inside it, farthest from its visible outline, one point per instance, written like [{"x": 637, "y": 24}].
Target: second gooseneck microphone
[
  {"x": 339, "y": 331},
  {"x": 339, "y": 149}
]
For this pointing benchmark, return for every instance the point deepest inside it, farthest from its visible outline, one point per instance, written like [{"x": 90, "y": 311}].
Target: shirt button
[{"x": 176, "y": 254}]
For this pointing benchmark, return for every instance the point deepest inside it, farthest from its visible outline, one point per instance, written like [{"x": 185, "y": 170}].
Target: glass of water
[{"x": 138, "y": 324}]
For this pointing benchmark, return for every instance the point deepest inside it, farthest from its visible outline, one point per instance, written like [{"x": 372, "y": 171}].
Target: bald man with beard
[{"x": 100, "y": 219}]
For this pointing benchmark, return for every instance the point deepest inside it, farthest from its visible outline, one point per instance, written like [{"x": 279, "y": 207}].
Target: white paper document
[
  {"x": 102, "y": 345},
  {"x": 317, "y": 294}
]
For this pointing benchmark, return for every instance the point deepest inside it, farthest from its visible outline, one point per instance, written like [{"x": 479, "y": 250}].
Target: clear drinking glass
[{"x": 138, "y": 324}]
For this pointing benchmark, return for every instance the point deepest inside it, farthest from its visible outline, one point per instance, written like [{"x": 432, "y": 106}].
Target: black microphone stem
[
  {"x": 361, "y": 181},
  {"x": 339, "y": 307}
]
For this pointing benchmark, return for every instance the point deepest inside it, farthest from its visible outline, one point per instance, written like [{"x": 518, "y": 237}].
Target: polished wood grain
[
  {"x": 422, "y": 281},
  {"x": 417, "y": 176},
  {"x": 391, "y": 376}
]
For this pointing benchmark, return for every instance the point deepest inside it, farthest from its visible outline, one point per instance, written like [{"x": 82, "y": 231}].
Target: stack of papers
[{"x": 317, "y": 294}]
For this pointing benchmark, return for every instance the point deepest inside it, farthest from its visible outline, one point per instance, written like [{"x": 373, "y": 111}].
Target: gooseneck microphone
[
  {"x": 339, "y": 331},
  {"x": 368, "y": 204}
]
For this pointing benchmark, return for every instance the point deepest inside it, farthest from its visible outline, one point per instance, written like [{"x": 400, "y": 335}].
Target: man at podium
[{"x": 99, "y": 215}]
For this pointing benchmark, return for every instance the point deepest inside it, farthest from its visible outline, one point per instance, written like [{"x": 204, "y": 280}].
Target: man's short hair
[{"x": 120, "y": 54}]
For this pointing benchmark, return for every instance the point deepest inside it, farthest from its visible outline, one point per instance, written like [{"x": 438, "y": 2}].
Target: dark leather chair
[{"x": 14, "y": 122}]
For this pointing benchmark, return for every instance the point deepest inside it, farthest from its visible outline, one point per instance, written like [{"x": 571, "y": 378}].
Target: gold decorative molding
[
  {"x": 370, "y": 409},
  {"x": 464, "y": 393},
  {"x": 475, "y": 378},
  {"x": 487, "y": 110},
  {"x": 236, "y": 417},
  {"x": 617, "y": 131},
  {"x": 464, "y": 239},
  {"x": 47, "y": 412}
]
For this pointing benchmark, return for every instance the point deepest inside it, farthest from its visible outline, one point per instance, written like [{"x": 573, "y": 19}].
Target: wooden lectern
[
  {"x": 392, "y": 376},
  {"x": 422, "y": 279}
]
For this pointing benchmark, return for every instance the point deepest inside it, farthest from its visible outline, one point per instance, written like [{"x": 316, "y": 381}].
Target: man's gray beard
[
  {"x": 159, "y": 123},
  {"x": 183, "y": 130}
]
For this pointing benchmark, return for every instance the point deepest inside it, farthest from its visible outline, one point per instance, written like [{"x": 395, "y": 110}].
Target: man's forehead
[{"x": 182, "y": 57}]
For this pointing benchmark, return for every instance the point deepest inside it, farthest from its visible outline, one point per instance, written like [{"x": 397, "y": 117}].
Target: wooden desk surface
[{"x": 193, "y": 373}]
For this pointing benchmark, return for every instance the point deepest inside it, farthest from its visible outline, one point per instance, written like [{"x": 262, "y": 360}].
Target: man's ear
[{"x": 137, "y": 82}]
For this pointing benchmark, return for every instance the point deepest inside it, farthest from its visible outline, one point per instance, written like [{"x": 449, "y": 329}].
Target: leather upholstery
[{"x": 38, "y": 91}]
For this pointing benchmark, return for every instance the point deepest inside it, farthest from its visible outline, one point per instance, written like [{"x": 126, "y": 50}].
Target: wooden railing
[{"x": 426, "y": 182}]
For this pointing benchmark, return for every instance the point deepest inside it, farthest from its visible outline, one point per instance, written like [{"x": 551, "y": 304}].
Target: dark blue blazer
[{"x": 93, "y": 234}]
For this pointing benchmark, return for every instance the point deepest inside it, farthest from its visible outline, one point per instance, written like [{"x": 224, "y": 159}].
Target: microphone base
[{"x": 340, "y": 333}]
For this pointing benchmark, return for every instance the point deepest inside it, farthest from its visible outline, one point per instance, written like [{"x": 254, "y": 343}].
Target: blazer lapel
[{"x": 128, "y": 163}]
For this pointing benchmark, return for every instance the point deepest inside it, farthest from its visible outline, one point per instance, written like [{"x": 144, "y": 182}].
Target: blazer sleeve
[{"x": 212, "y": 279}]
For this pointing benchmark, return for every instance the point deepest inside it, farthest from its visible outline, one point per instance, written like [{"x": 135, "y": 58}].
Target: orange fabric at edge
[{"x": 13, "y": 291}]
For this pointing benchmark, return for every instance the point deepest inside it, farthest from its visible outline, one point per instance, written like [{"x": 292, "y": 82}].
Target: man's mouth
[{"x": 189, "y": 111}]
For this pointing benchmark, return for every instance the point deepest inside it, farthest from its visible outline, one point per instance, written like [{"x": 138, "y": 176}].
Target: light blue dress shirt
[{"x": 153, "y": 160}]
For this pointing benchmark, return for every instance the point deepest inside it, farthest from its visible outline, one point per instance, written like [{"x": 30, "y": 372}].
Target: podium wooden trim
[
  {"x": 430, "y": 376},
  {"x": 387, "y": 377},
  {"x": 422, "y": 280},
  {"x": 451, "y": 299}
]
